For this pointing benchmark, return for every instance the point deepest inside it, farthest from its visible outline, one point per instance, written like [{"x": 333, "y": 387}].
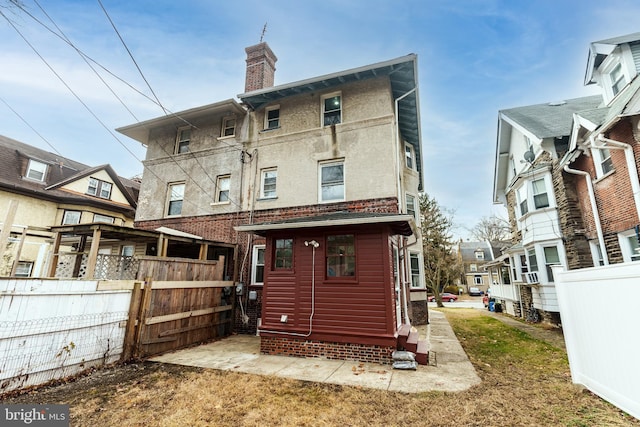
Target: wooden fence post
[
  {"x": 143, "y": 313},
  {"x": 132, "y": 322}
]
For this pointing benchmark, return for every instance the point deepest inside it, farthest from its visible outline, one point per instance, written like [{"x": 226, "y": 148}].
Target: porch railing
[{"x": 108, "y": 267}]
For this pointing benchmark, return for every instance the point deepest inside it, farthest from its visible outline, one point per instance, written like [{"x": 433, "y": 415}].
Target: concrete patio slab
[{"x": 449, "y": 367}]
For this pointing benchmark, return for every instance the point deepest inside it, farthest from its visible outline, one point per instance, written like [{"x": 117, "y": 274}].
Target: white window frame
[
  {"x": 617, "y": 83},
  {"x": 602, "y": 161},
  {"x": 323, "y": 165},
  {"x": 525, "y": 196},
  {"x": 270, "y": 124},
  {"x": 477, "y": 279},
  {"x": 479, "y": 255},
  {"x": 24, "y": 269},
  {"x": 323, "y": 121},
  {"x": 37, "y": 168},
  {"x": 223, "y": 189},
  {"x": 183, "y": 140},
  {"x": 473, "y": 267},
  {"x": 99, "y": 188},
  {"x": 409, "y": 156},
  {"x": 255, "y": 264},
  {"x": 416, "y": 275},
  {"x": 68, "y": 218},
  {"x": 103, "y": 218},
  {"x": 534, "y": 193},
  {"x": 226, "y": 127},
  {"x": 596, "y": 253},
  {"x": 548, "y": 264},
  {"x": 128, "y": 250},
  {"x": 411, "y": 206},
  {"x": 265, "y": 193},
  {"x": 626, "y": 247},
  {"x": 173, "y": 196}
]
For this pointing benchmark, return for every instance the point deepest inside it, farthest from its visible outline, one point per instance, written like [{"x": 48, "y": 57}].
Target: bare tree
[
  {"x": 491, "y": 228},
  {"x": 440, "y": 265}
]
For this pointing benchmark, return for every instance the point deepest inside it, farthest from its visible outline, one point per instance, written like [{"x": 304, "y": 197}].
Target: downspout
[
  {"x": 631, "y": 166},
  {"x": 594, "y": 209},
  {"x": 398, "y": 165},
  {"x": 405, "y": 282}
]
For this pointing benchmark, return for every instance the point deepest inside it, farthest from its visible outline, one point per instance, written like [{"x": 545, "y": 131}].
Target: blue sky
[{"x": 475, "y": 57}]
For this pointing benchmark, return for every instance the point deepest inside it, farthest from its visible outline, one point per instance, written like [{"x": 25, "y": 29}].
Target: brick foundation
[{"x": 290, "y": 346}]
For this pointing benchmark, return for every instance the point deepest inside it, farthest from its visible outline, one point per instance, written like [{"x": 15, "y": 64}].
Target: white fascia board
[{"x": 533, "y": 138}]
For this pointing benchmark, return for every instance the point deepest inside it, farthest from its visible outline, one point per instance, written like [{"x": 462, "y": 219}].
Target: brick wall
[{"x": 289, "y": 346}]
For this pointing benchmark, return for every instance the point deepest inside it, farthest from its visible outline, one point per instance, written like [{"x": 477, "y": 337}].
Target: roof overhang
[
  {"x": 140, "y": 131},
  {"x": 403, "y": 225},
  {"x": 598, "y": 52}
]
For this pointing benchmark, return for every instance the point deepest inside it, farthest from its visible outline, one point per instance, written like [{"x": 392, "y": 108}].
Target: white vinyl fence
[
  {"x": 601, "y": 323},
  {"x": 51, "y": 329}
]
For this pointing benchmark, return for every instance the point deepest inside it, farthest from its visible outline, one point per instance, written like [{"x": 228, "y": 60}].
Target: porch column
[
  {"x": 93, "y": 253},
  {"x": 54, "y": 254},
  {"x": 18, "y": 252}
]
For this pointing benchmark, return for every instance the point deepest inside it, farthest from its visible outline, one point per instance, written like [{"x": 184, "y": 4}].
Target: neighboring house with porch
[
  {"x": 568, "y": 173},
  {"x": 40, "y": 190},
  {"x": 328, "y": 251},
  {"x": 474, "y": 256}
]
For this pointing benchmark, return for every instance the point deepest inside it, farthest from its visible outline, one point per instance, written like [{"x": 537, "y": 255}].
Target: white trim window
[
  {"x": 533, "y": 195},
  {"x": 477, "y": 280},
  {"x": 71, "y": 217},
  {"x": 540, "y": 197},
  {"x": 36, "y": 170},
  {"x": 175, "y": 198},
  {"x": 521, "y": 199},
  {"x": 257, "y": 265},
  {"x": 479, "y": 255},
  {"x": 617, "y": 79},
  {"x": 268, "y": 183},
  {"x": 596, "y": 253},
  {"x": 409, "y": 156},
  {"x": 228, "y": 127},
  {"x": 183, "y": 138},
  {"x": 331, "y": 180},
  {"x": 411, "y": 206},
  {"x": 551, "y": 257},
  {"x": 629, "y": 245},
  {"x": 332, "y": 109},
  {"x": 24, "y": 268},
  {"x": 103, "y": 218},
  {"x": 272, "y": 117},
  {"x": 223, "y": 184},
  {"x": 473, "y": 267},
  {"x": 99, "y": 188},
  {"x": 414, "y": 264},
  {"x": 602, "y": 161}
]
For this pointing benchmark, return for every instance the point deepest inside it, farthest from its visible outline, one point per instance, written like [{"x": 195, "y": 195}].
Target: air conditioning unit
[{"x": 532, "y": 277}]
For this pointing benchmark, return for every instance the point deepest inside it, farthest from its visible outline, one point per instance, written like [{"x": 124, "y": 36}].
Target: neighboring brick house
[
  {"x": 40, "y": 190},
  {"x": 333, "y": 161},
  {"x": 568, "y": 173},
  {"x": 474, "y": 256}
]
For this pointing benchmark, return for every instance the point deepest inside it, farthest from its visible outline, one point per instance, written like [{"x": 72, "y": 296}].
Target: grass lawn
[{"x": 525, "y": 382}]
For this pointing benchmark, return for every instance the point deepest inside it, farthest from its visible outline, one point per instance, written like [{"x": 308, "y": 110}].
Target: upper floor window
[
  {"x": 175, "y": 198},
  {"x": 540, "y": 198},
  {"x": 283, "y": 254},
  {"x": 268, "y": 183},
  {"x": 272, "y": 117},
  {"x": 533, "y": 259},
  {"x": 331, "y": 109},
  {"x": 411, "y": 206},
  {"x": 477, "y": 280},
  {"x": 479, "y": 255},
  {"x": 228, "y": 126},
  {"x": 341, "y": 255},
  {"x": 222, "y": 188},
  {"x": 521, "y": 195},
  {"x": 71, "y": 217},
  {"x": 602, "y": 161},
  {"x": 414, "y": 259},
  {"x": 331, "y": 181},
  {"x": 23, "y": 269},
  {"x": 473, "y": 267},
  {"x": 103, "y": 218},
  {"x": 36, "y": 170},
  {"x": 99, "y": 188},
  {"x": 182, "y": 140},
  {"x": 409, "y": 156},
  {"x": 618, "y": 79}
]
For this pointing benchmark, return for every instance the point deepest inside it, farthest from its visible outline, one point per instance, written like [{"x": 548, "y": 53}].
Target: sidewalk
[{"x": 449, "y": 368}]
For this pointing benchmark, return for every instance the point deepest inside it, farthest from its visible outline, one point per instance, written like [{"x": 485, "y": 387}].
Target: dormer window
[
  {"x": 99, "y": 188},
  {"x": 618, "y": 79},
  {"x": 479, "y": 255},
  {"x": 36, "y": 170}
]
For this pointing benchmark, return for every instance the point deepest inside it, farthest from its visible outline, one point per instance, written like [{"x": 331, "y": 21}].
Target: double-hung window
[
  {"x": 409, "y": 156},
  {"x": 175, "y": 198},
  {"x": 341, "y": 256},
  {"x": 99, "y": 188},
  {"x": 182, "y": 141},
  {"x": 272, "y": 117},
  {"x": 411, "y": 206},
  {"x": 551, "y": 257},
  {"x": 283, "y": 254},
  {"x": 618, "y": 79},
  {"x": 228, "y": 126},
  {"x": 223, "y": 184},
  {"x": 331, "y": 181},
  {"x": 521, "y": 195},
  {"x": 36, "y": 170},
  {"x": 629, "y": 245},
  {"x": 414, "y": 259},
  {"x": 257, "y": 267},
  {"x": 331, "y": 109},
  {"x": 540, "y": 198},
  {"x": 605, "y": 161},
  {"x": 268, "y": 183}
]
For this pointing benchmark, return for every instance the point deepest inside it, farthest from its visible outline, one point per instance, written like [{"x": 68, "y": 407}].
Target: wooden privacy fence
[{"x": 185, "y": 303}]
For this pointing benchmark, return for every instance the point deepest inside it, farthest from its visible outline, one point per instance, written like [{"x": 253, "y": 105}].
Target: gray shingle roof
[{"x": 551, "y": 119}]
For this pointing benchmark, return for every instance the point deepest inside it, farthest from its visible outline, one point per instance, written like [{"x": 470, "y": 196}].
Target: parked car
[
  {"x": 475, "y": 292},
  {"x": 446, "y": 296}
]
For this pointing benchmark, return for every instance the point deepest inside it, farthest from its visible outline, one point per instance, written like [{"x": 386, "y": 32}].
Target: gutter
[{"x": 398, "y": 166}]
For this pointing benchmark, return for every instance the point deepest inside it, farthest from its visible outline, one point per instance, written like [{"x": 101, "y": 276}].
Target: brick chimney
[{"x": 261, "y": 67}]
